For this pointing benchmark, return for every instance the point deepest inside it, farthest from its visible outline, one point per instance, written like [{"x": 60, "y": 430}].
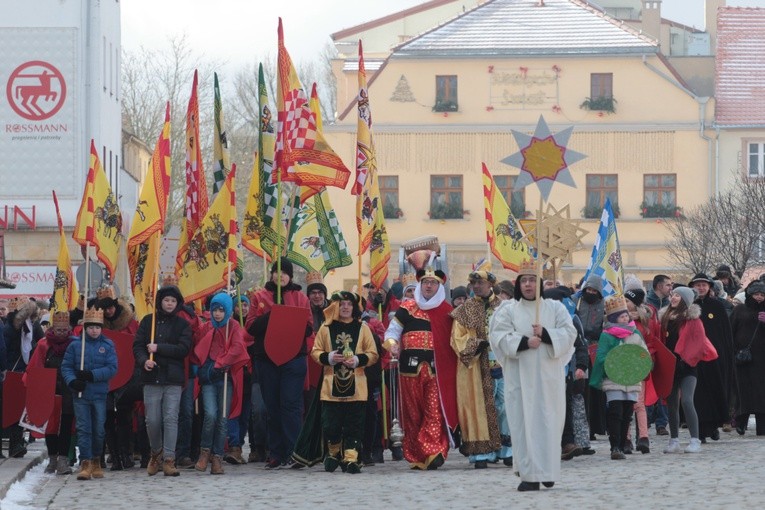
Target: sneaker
[
  {"x": 661, "y": 431},
  {"x": 51, "y": 467},
  {"x": 588, "y": 451},
  {"x": 740, "y": 430},
  {"x": 673, "y": 446},
  {"x": 694, "y": 446},
  {"x": 617, "y": 455},
  {"x": 481, "y": 464},
  {"x": 273, "y": 464},
  {"x": 291, "y": 464}
]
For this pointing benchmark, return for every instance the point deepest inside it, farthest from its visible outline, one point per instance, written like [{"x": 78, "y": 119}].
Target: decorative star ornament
[
  {"x": 559, "y": 236},
  {"x": 543, "y": 158}
]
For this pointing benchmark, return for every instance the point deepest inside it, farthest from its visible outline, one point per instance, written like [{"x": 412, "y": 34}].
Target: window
[
  {"x": 446, "y": 94},
  {"x": 599, "y": 188},
  {"x": 389, "y": 196},
  {"x": 660, "y": 196},
  {"x": 756, "y": 160},
  {"x": 445, "y": 197},
  {"x": 601, "y": 85},
  {"x": 515, "y": 199}
]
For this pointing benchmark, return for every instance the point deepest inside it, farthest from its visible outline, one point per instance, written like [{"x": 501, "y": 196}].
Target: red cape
[{"x": 446, "y": 361}]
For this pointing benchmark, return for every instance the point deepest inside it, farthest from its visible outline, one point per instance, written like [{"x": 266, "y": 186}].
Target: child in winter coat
[
  {"x": 224, "y": 352},
  {"x": 617, "y": 330},
  {"x": 89, "y": 386}
]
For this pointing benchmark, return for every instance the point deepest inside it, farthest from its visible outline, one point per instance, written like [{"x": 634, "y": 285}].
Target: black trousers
[
  {"x": 343, "y": 422},
  {"x": 619, "y": 416}
]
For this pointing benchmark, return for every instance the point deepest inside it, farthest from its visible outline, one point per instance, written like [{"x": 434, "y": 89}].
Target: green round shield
[{"x": 628, "y": 364}]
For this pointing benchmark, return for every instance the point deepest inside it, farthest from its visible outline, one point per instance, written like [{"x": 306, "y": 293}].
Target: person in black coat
[
  {"x": 161, "y": 362},
  {"x": 748, "y": 322},
  {"x": 715, "y": 378}
]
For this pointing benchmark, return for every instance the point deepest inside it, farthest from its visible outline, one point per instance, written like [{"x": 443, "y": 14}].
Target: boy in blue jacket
[{"x": 89, "y": 387}]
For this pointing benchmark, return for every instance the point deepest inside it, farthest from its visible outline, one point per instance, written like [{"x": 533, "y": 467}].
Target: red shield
[
  {"x": 41, "y": 390},
  {"x": 14, "y": 396},
  {"x": 123, "y": 344},
  {"x": 285, "y": 332},
  {"x": 663, "y": 372}
]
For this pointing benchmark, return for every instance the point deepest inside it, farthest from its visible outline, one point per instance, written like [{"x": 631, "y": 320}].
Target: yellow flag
[
  {"x": 502, "y": 231},
  {"x": 99, "y": 221},
  {"x": 148, "y": 222},
  {"x": 205, "y": 268},
  {"x": 370, "y": 221},
  {"x": 64, "y": 285}
]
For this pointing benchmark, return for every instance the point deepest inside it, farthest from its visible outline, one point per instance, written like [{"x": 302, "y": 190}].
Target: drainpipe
[
  {"x": 712, "y": 174},
  {"x": 717, "y": 155}
]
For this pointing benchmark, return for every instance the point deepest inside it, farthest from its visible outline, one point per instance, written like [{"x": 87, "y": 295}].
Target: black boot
[
  {"x": 117, "y": 462},
  {"x": 528, "y": 486}
]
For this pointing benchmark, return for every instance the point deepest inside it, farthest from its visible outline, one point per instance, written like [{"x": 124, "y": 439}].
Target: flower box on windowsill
[
  {"x": 661, "y": 211},
  {"x": 447, "y": 212},
  {"x": 599, "y": 104},
  {"x": 391, "y": 212},
  {"x": 445, "y": 106},
  {"x": 594, "y": 212}
]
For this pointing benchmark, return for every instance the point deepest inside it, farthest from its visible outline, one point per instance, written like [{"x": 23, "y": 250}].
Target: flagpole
[
  {"x": 289, "y": 220},
  {"x": 225, "y": 340},
  {"x": 85, "y": 307},
  {"x": 538, "y": 292},
  {"x": 154, "y": 285},
  {"x": 278, "y": 237}
]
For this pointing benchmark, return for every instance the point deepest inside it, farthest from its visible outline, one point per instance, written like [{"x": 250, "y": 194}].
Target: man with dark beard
[{"x": 715, "y": 378}]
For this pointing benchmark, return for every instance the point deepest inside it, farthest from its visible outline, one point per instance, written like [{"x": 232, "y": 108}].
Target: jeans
[
  {"x": 282, "y": 388},
  {"x": 161, "y": 403},
  {"x": 90, "y": 416},
  {"x": 657, "y": 414},
  {"x": 185, "y": 421},
  {"x": 215, "y": 424}
]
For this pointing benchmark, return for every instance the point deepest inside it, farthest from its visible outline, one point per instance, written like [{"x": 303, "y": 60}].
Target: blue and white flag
[{"x": 606, "y": 260}]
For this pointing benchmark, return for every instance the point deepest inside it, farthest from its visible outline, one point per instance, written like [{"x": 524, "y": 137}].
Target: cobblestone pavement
[{"x": 727, "y": 473}]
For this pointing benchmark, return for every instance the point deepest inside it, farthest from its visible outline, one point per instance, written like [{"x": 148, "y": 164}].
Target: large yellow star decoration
[{"x": 558, "y": 235}]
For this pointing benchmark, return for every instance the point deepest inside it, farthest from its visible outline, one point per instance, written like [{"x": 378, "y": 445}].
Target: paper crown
[
  {"x": 408, "y": 280},
  {"x": 313, "y": 277},
  {"x": 93, "y": 316},
  {"x": 60, "y": 320},
  {"x": 169, "y": 280},
  {"x": 615, "y": 304},
  {"x": 527, "y": 268},
  {"x": 429, "y": 272},
  {"x": 106, "y": 292}
]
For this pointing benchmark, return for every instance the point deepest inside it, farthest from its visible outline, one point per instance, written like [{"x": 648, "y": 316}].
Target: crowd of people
[{"x": 516, "y": 372}]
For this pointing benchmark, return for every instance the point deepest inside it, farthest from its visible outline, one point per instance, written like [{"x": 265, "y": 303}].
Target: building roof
[
  {"x": 528, "y": 28},
  {"x": 740, "y": 67},
  {"x": 346, "y": 32}
]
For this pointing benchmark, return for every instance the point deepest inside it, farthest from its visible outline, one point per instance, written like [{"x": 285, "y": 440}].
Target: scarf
[
  {"x": 429, "y": 304},
  {"x": 26, "y": 340},
  {"x": 56, "y": 344},
  {"x": 619, "y": 330}
]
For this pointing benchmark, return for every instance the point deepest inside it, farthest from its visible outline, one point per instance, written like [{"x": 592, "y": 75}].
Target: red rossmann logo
[{"x": 36, "y": 90}]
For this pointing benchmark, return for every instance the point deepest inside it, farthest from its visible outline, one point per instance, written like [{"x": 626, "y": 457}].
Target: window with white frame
[{"x": 755, "y": 159}]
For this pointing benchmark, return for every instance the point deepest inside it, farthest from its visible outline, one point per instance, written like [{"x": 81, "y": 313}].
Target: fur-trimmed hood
[
  {"x": 28, "y": 310},
  {"x": 122, "y": 317},
  {"x": 694, "y": 312}
]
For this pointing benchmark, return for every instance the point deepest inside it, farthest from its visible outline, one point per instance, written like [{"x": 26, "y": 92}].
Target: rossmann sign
[{"x": 38, "y": 122}]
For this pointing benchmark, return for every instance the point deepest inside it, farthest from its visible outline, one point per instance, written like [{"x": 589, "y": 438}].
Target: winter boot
[
  {"x": 694, "y": 446},
  {"x": 216, "y": 465},
  {"x": 257, "y": 454},
  {"x": 51, "y": 467},
  {"x": 62, "y": 466},
  {"x": 204, "y": 460},
  {"x": 85, "y": 470},
  {"x": 234, "y": 456},
  {"x": 643, "y": 446},
  {"x": 152, "y": 468},
  {"x": 117, "y": 463},
  {"x": 97, "y": 471},
  {"x": 168, "y": 468},
  {"x": 673, "y": 446}
]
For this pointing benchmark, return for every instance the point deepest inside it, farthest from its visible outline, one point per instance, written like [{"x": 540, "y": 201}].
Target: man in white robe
[{"x": 533, "y": 358}]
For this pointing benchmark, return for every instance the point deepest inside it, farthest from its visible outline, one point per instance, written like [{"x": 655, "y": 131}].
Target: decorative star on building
[{"x": 543, "y": 158}]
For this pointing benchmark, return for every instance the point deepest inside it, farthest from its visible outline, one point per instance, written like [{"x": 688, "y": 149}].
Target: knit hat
[
  {"x": 506, "y": 286},
  {"x": 687, "y": 294},
  {"x": 397, "y": 289},
  {"x": 286, "y": 267},
  {"x": 755, "y": 287},
  {"x": 723, "y": 271},
  {"x": 458, "y": 292},
  {"x": 632, "y": 282},
  {"x": 637, "y": 296}
]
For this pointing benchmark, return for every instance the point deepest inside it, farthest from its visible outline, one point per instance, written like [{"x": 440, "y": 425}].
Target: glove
[
  {"x": 218, "y": 373},
  {"x": 78, "y": 385},
  {"x": 84, "y": 375},
  {"x": 761, "y": 316}
]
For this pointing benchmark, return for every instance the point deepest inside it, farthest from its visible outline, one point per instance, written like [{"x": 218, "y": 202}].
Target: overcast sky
[{"x": 236, "y": 32}]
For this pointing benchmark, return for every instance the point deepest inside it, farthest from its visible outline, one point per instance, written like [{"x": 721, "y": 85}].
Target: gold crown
[
  {"x": 60, "y": 320},
  {"x": 528, "y": 267},
  {"x": 93, "y": 316},
  {"x": 615, "y": 304},
  {"x": 106, "y": 292},
  {"x": 430, "y": 272},
  {"x": 313, "y": 277},
  {"x": 408, "y": 279},
  {"x": 170, "y": 279}
]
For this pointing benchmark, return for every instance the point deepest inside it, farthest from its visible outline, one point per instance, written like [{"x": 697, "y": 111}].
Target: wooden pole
[
  {"x": 154, "y": 285},
  {"x": 289, "y": 220},
  {"x": 279, "y": 237},
  {"x": 85, "y": 307},
  {"x": 539, "y": 257},
  {"x": 225, "y": 341}
]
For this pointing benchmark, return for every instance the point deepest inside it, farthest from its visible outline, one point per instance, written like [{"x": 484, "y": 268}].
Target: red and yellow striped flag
[
  {"x": 213, "y": 246},
  {"x": 99, "y": 221},
  {"x": 370, "y": 221},
  {"x": 64, "y": 285},
  {"x": 196, "y": 185},
  {"x": 502, "y": 230},
  {"x": 298, "y": 139},
  {"x": 148, "y": 222}
]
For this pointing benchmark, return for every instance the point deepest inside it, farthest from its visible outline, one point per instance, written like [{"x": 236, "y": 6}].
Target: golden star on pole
[{"x": 558, "y": 235}]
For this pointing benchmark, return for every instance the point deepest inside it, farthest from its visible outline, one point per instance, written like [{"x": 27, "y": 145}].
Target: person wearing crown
[
  {"x": 118, "y": 316},
  {"x": 419, "y": 335},
  {"x": 533, "y": 354},
  {"x": 343, "y": 347},
  {"x": 479, "y": 377},
  {"x": 88, "y": 378}
]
